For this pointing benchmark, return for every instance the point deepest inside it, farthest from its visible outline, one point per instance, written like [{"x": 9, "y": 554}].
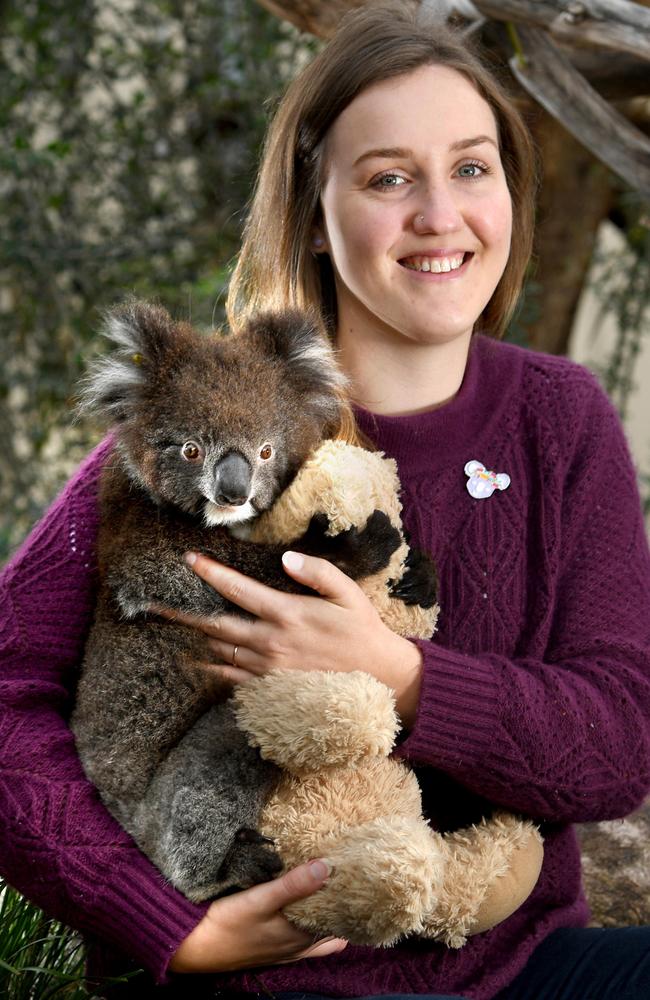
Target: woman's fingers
[
  {"x": 265, "y": 602},
  {"x": 228, "y": 673},
  {"x": 236, "y": 657},
  {"x": 328, "y": 946},
  {"x": 213, "y": 626},
  {"x": 298, "y": 883},
  {"x": 248, "y": 928},
  {"x": 319, "y": 575},
  {"x": 251, "y": 595}
]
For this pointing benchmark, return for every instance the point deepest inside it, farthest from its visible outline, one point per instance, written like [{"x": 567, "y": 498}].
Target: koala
[{"x": 208, "y": 432}]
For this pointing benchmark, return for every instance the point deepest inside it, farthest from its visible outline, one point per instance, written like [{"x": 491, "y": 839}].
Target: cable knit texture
[{"x": 535, "y": 692}]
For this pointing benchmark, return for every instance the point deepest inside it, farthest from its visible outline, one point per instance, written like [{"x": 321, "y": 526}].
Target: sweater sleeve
[
  {"x": 58, "y": 844},
  {"x": 564, "y": 736}
]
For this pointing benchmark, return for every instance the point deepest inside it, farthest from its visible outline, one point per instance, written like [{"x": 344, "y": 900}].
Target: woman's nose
[{"x": 437, "y": 213}]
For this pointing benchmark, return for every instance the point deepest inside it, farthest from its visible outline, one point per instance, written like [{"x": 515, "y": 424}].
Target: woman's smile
[{"x": 439, "y": 263}]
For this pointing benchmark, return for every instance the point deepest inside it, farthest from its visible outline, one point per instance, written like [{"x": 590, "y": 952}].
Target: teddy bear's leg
[
  {"x": 367, "y": 821},
  {"x": 305, "y": 722},
  {"x": 385, "y": 875},
  {"x": 491, "y": 868}
]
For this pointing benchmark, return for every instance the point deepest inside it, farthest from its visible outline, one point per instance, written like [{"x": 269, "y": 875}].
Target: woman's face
[{"x": 416, "y": 211}]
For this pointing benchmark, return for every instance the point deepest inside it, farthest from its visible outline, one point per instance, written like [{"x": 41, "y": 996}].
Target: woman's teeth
[{"x": 435, "y": 264}]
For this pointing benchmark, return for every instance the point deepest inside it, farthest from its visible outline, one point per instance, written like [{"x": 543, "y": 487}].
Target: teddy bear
[{"x": 341, "y": 796}]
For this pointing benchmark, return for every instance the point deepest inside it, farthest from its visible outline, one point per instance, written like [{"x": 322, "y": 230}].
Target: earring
[{"x": 318, "y": 241}]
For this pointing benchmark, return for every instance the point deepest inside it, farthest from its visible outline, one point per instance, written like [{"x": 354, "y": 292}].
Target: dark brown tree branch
[{"x": 318, "y": 17}]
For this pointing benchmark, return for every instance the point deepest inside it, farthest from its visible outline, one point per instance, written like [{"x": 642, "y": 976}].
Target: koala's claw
[
  {"x": 419, "y": 583},
  {"x": 249, "y": 861},
  {"x": 249, "y": 836}
]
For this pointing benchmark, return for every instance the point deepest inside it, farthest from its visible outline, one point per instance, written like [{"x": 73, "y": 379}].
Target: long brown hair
[{"x": 276, "y": 268}]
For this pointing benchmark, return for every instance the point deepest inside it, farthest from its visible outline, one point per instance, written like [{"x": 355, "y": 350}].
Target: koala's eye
[
  {"x": 266, "y": 452},
  {"x": 192, "y": 452}
]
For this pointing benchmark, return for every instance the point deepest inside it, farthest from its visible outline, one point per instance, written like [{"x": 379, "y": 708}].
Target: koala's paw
[
  {"x": 419, "y": 583},
  {"x": 357, "y": 552},
  {"x": 251, "y": 860},
  {"x": 179, "y": 589}
]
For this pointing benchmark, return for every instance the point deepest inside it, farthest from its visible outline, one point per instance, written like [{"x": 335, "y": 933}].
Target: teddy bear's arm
[
  {"x": 358, "y": 552},
  {"x": 305, "y": 722}
]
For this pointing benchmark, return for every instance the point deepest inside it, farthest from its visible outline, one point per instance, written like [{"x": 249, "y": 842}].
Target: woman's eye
[
  {"x": 473, "y": 170},
  {"x": 266, "y": 452},
  {"x": 192, "y": 452},
  {"x": 386, "y": 181}
]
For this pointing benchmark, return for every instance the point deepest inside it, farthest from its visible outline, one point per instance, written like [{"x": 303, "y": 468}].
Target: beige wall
[{"x": 592, "y": 343}]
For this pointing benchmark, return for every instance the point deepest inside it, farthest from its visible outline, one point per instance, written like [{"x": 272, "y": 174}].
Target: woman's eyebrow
[
  {"x": 388, "y": 153},
  {"x": 476, "y": 140},
  {"x": 401, "y": 153}
]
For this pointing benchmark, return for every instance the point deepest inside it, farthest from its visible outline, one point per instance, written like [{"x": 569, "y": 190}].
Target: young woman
[{"x": 395, "y": 197}]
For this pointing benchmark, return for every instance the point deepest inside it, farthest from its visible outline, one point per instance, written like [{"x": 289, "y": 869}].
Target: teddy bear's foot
[
  {"x": 309, "y": 721},
  {"x": 385, "y": 876},
  {"x": 491, "y": 868}
]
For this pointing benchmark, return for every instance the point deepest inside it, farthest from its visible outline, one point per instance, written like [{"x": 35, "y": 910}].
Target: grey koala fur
[{"x": 208, "y": 432}]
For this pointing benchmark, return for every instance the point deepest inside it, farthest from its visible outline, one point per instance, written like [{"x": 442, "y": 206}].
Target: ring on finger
[{"x": 234, "y": 655}]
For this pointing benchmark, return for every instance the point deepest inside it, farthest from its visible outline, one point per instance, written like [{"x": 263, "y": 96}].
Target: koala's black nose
[{"x": 232, "y": 480}]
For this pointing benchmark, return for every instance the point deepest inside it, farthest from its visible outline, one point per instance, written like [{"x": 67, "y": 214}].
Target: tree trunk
[{"x": 576, "y": 195}]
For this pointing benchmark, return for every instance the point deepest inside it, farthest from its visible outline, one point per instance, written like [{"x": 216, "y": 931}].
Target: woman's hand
[
  {"x": 339, "y": 631},
  {"x": 248, "y": 928}
]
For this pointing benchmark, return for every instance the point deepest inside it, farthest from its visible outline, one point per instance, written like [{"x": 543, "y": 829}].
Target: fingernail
[
  {"x": 293, "y": 560},
  {"x": 190, "y": 558},
  {"x": 320, "y": 869}
]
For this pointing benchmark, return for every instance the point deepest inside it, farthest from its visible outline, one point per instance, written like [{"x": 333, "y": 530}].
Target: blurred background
[{"x": 130, "y": 136}]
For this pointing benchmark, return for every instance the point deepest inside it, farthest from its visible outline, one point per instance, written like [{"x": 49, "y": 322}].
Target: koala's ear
[
  {"x": 141, "y": 334},
  {"x": 297, "y": 339}
]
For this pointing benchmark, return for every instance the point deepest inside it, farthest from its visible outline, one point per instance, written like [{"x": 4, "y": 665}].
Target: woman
[{"x": 395, "y": 196}]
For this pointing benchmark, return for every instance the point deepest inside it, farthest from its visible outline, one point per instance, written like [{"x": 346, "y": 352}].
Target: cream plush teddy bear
[{"x": 341, "y": 796}]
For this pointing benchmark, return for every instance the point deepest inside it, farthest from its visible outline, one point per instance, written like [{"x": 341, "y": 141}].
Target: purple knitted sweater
[{"x": 535, "y": 692}]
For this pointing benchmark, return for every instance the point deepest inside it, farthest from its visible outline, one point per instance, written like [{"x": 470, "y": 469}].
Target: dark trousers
[{"x": 587, "y": 964}]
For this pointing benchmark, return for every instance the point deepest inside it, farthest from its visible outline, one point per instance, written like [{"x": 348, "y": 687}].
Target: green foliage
[
  {"x": 40, "y": 959},
  {"x": 130, "y": 136}
]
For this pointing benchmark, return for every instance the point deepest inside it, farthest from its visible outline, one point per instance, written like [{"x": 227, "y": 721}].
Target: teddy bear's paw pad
[
  {"x": 250, "y": 860},
  {"x": 385, "y": 875},
  {"x": 308, "y": 721}
]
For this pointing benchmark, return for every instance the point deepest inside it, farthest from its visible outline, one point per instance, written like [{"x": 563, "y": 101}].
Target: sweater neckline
[{"x": 451, "y": 425}]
